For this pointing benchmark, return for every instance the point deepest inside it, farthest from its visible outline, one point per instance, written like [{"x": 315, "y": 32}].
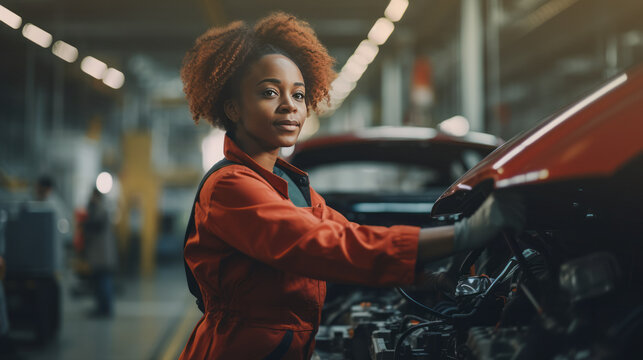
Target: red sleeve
[
  {"x": 331, "y": 213},
  {"x": 243, "y": 210}
]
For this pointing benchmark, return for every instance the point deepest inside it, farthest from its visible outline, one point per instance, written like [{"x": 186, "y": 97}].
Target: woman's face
[{"x": 271, "y": 107}]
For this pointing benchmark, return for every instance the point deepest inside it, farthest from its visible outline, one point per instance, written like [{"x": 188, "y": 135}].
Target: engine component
[
  {"x": 472, "y": 285},
  {"x": 488, "y": 343},
  {"x": 589, "y": 276}
]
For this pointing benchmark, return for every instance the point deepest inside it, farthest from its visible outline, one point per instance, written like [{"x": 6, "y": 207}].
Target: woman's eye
[
  {"x": 299, "y": 96},
  {"x": 269, "y": 93}
]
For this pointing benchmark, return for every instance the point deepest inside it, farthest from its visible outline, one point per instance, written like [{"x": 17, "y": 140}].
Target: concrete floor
[{"x": 153, "y": 320}]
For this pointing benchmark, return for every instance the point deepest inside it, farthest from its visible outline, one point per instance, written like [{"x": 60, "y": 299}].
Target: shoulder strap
[{"x": 192, "y": 284}]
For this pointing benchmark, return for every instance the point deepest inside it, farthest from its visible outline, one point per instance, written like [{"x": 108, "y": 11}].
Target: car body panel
[
  {"x": 388, "y": 133},
  {"x": 592, "y": 138}
]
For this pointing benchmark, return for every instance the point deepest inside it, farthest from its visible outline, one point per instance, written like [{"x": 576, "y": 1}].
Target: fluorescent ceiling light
[
  {"x": 366, "y": 51},
  {"x": 10, "y": 18},
  {"x": 335, "y": 104},
  {"x": 381, "y": 31},
  {"x": 93, "y": 67},
  {"x": 356, "y": 64},
  {"x": 37, "y": 35},
  {"x": 396, "y": 9},
  {"x": 341, "y": 86},
  {"x": 114, "y": 78},
  {"x": 353, "y": 76},
  {"x": 65, "y": 51},
  {"x": 353, "y": 70}
]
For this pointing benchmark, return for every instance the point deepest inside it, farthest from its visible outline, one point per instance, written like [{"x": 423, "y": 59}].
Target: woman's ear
[{"x": 231, "y": 109}]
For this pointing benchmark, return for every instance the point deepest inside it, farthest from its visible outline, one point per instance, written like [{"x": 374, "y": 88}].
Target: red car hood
[{"x": 591, "y": 138}]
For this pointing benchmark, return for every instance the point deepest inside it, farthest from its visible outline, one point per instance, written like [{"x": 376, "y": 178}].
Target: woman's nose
[{"x": 287, "y": 105}]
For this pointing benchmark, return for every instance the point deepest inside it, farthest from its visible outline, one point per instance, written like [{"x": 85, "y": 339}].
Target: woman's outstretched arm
[{"x": 499, "y": 212}]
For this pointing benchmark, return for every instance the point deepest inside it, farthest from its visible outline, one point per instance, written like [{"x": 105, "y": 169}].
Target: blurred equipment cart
[{"x": 33, "y": 256}]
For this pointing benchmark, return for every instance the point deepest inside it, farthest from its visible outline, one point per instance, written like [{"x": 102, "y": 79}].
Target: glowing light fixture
[
  {"x": 113, "y": 78},
  {"x": 93, "y": 67},
  {"x": 65, "y": 51},
  {"x": 104, "y": 182},
  {"x": 353, "y": 70},
  {"x": 381, "y": 31},
  {"x": 342, "y": 86},
  {"x": 366, "y": 52},
  {"x": 396, "y": 9},
  {"x": 456, "y": 126},
  {"x": 37, "y": 35},
  {"x": 354, "y": 64},
  {"x": 10, "y": 18}
]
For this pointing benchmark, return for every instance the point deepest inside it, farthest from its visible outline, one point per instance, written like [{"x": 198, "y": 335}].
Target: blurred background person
[
  {"x": 45, "y": 192},
  {"x": 100, "y": 250}
]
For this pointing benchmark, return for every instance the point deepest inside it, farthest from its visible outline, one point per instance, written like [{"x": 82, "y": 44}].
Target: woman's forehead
[{"x": 274, "y": 66}]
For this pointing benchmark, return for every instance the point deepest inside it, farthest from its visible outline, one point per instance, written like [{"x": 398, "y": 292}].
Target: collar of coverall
[{"x": 234, "y": 153}]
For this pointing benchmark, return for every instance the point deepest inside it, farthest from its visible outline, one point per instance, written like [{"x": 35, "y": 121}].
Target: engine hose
[
  {"x": 408, "y": 332},
  {"x": 517, "y": 252},
  {"x": 422, "y": 306}
]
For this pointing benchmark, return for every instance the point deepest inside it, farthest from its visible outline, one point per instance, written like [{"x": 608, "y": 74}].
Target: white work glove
[{"x": 498, "y": 212}]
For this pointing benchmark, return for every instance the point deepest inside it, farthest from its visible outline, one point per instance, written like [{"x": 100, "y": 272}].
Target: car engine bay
[{"x": 565, "y": 288}]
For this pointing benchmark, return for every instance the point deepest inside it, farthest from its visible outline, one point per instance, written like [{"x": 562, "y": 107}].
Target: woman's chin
[{"x": 288, "y": 141}]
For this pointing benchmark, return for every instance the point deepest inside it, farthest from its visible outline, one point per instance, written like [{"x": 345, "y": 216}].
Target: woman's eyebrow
[{"x": 277, "y": 81}]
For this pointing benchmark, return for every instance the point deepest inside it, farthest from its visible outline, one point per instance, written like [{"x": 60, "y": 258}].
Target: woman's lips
[{"x": 287, "y": 125}]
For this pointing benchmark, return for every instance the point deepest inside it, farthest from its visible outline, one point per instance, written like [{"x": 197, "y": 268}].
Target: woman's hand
[
  {"x": 500, "y": 211},
  {"x": 433, "y": 281}
]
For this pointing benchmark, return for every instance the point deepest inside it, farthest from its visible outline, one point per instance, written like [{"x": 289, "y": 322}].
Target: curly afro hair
[{"x": 213, "y": 68}]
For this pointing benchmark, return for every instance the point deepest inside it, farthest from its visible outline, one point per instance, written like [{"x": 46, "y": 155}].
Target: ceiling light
[
  {"x": 396, "y": 9},
  {"x": 113, "y": 78},
  {"x": 340, "y": 86},
  {"x": 93, "y": 67},
  {"x": 354, "y": 59},
  {"x": 366, "y": 51},
  {"x": 335, "y": 104},
  {"x": 381, "y": 31},
  {"x": 37, "y": 35},
  {"x": 457, "y": 126},
  {"x": 10, "y": 18},
  {"x": 353, "y": 70},
  {"x": 353, "y": 76},
  {"x": 104, "y": 182},
  {"x": 65, "y": 51}
]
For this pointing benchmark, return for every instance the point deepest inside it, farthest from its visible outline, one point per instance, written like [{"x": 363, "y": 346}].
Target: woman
[{"x": 259, "y": 259}]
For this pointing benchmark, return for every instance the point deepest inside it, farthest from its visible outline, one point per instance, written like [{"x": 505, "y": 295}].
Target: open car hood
[{"x": 593, "y": 137}]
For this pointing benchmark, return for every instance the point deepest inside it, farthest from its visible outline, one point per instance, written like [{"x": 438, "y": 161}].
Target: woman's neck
[{"x": 265, "y": 158}]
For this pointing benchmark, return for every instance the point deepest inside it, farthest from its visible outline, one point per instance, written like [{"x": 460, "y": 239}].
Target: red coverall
[{"x": 261, "y": 262}]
